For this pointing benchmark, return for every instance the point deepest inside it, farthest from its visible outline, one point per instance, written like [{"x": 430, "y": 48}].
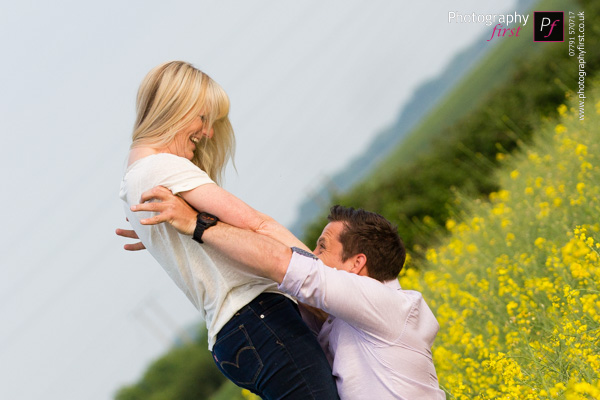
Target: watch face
[{"x": 208, "y": 219}]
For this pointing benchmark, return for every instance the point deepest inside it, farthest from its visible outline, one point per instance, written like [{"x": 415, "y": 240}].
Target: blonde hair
[{"x": 170, "y": 97}]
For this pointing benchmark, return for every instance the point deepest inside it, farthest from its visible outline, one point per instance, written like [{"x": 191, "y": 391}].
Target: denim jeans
[{"x": 267, "y": 349}]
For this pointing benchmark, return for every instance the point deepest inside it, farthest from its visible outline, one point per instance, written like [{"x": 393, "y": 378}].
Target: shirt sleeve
[
  {"x": 363, "y": 302},
  {"x": 179, "y": 174}
]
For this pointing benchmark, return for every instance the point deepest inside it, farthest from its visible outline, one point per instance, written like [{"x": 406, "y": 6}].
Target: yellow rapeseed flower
[
  {"x": 586, "y": 166},
  {"x": 538, "y": 182},
  {"x": 557, "y": 202},
  {"x": 562, "y": 109},
  {"x": 534, "y": 157},
  {"x": 560, "y": 128},
  {"x": 509, "y": 238},
  {"x": 248, "y": 395},
  {"x": 581, "y": 150},
  {"x": 539, "y": 242},
  {"x": 544, "y": 209},
  {"x": 504, "y": 195},
  {"x": 450, "y": 224},
  {"x": 431, "y": 255}
]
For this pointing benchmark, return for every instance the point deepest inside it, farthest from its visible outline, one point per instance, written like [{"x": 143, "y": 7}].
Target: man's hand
[
  {"x": 173, "y": 210},
  {"x": 130, "y": 233}
]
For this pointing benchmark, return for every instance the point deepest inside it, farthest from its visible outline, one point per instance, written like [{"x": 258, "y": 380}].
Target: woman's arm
[
  {"x": 213, "y": 199},
  {"x": 275, "y": 230}
]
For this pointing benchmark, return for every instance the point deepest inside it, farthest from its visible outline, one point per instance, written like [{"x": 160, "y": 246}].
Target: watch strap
[{"x": 203, "y": 222}]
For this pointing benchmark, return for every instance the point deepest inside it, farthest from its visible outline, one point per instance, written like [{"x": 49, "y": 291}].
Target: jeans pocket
[
  {"x": 272, "y": 303},
  {"x": 237, "y": 357}
]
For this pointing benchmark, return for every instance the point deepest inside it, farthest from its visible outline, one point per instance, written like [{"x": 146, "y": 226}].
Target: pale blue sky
[{"x": 311, "y": 83}]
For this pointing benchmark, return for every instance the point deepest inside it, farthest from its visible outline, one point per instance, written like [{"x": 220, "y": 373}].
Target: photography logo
[{"x": 548, "y": 26}]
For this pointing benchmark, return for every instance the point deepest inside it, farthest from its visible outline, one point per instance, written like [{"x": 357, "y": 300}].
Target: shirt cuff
[{"x": 297, "y": 271}]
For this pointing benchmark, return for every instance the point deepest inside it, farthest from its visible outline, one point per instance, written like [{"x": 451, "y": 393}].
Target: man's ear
[{"x": 359, "y": 264}]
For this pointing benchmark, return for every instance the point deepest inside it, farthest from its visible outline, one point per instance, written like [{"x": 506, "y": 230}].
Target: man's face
[{"x": 329, "y": 248}]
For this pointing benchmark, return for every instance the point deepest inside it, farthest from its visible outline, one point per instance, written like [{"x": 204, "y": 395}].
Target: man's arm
[
  {"x": 262, "y": 255},
  {"x": 361, "y": 301}
]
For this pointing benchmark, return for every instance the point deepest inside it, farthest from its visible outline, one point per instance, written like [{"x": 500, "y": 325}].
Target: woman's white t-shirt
[{"x": 216, "y": 285}]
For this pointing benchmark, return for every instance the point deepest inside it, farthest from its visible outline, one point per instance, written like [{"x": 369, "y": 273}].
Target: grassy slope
[{"x": 515, "y": 285}]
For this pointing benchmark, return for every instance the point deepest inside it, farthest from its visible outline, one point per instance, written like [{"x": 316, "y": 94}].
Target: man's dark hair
[{"x": 374, "y": 236}]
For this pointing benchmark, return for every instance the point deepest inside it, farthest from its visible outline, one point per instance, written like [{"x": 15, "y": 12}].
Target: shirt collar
[{"x": 393, "y": 283}]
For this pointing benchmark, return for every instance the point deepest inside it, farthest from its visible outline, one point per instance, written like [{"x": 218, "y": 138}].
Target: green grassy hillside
[{"x": 515, "y": 284}]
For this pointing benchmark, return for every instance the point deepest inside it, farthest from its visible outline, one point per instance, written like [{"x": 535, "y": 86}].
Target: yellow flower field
[{"x": 516, "y": 285}]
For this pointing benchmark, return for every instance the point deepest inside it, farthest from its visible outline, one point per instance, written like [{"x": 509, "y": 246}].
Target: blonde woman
[{"x": 182, "y": 140}]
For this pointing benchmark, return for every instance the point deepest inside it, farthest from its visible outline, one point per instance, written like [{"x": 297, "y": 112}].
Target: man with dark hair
[
  {"x": 376, "y": 335},
  {"x": 371, "y": 234}
]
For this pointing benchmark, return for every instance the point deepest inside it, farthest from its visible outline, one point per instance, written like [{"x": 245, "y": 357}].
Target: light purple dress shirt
[{"x": 378, "y": 337}]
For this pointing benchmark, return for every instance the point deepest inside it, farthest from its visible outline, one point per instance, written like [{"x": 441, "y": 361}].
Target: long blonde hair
[{"x": 170, "y": 97}]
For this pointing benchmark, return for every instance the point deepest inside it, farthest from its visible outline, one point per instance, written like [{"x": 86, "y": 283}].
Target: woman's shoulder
[
  {"x": 165, "y": 169},
  {"x": 148, "y": 159}
]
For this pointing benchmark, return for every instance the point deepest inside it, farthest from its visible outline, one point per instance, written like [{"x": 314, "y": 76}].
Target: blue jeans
[{"x": 268, "y": 349}]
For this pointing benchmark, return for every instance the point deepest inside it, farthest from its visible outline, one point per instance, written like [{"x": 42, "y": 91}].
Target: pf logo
[{"x": 548, "y": 26}]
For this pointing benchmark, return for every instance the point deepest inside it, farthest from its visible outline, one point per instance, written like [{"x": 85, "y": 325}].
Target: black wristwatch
[{"x": 203, "y": 222}]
